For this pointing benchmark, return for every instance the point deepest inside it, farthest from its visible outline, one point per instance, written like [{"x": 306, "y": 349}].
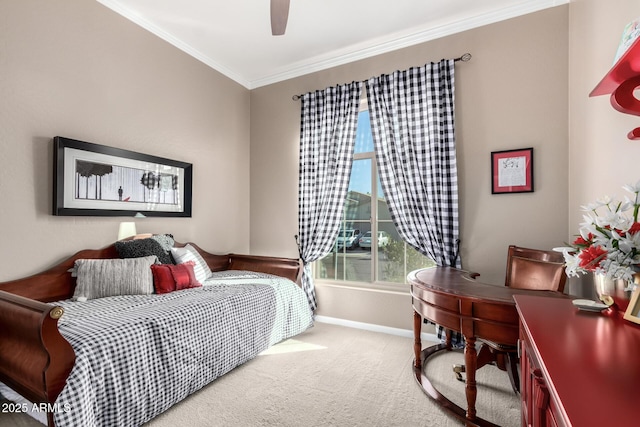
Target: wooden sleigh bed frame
[{"x": 35, "y": 359}]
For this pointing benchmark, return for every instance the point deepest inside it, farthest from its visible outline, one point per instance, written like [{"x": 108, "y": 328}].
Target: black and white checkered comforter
[{"x": 138, "y": 355}]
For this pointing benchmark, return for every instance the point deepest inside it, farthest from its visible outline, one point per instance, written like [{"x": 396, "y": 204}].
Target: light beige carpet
[{"x": 336, "y": 376}]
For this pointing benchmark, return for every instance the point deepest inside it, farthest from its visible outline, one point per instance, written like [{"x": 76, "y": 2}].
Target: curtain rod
[{"x": 464, "y": 58}]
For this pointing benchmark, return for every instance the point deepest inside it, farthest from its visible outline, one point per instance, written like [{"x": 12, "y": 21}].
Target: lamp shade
[{"x": 127, "y": 229}]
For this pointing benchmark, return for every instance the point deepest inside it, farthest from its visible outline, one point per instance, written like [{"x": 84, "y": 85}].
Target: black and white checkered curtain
[
  {"x": 412, "y": 123},
  {"x": 327, "y": 137}
]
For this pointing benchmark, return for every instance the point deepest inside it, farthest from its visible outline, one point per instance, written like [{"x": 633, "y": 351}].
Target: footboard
[
  {"x": 35, "y": 360},
  {"x": 56, "y": 283}
]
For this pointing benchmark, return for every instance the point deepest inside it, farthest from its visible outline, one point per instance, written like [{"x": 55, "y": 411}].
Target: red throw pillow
[
  {"x": 184, "y": 275},
  {"x": 163, "y": 280}
]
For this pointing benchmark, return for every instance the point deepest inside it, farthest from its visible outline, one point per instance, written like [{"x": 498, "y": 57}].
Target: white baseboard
[{"x": 376, "y": 328}]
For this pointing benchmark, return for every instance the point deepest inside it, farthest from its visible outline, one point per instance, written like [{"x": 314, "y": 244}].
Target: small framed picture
[
  {"x": 512, "y": 171},
  {"x": 633, "y": 309}
]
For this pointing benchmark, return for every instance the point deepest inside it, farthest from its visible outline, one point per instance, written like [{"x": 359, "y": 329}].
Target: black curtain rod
[{"x": 464, "y": 58}]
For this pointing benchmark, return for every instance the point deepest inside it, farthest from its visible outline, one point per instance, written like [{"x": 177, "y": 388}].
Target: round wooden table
[{"x": 453, "y": 299}]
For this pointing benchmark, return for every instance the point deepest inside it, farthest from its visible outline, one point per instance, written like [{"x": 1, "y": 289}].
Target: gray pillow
[
  {"x": 165, "y": 240},
  {"x": 98, "y": 278}
]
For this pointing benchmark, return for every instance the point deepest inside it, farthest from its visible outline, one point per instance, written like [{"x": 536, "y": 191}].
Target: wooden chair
[{"x": 532, "y": 269}]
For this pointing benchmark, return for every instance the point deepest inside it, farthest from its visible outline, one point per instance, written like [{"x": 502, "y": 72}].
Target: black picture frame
[
  {"x": 512, "y": 171},
  {"x": 96, "y": 180}
]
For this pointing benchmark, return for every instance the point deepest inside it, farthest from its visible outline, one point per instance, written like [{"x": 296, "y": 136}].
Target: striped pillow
[
  {"x": 98, "y": 278},
  {"x": 189, "y": 253}
]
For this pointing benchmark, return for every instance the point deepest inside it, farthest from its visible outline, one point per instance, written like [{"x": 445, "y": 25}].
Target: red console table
[{"x": 577, "y": 368}]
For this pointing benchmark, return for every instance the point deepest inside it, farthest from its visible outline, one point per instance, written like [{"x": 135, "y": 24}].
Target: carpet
[{"x": 338, "y": 376}]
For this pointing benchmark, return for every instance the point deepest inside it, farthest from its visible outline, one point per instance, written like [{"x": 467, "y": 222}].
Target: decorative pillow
[
  {"x": 163, "y": 281},
  {"x": 143, "y": 247},
  {"x": 184, "y": 275},
  {"x": 168, "y": 278},
  {"x": 166, "y": 241},
  {"x": 189, "y": 253},
  {"x": 98, "y": 278}
]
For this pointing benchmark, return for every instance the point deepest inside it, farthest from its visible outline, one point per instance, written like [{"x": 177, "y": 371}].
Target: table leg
[
  {"x": 417, "y": 341},
  {"x": 471, "y": 363}
]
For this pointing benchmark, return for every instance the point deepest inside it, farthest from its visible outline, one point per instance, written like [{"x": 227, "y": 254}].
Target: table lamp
[{"x": 127, "y": 229}]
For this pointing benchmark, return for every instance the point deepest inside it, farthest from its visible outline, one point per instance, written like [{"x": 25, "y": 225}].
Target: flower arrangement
[{"x": 609, "y": 240}]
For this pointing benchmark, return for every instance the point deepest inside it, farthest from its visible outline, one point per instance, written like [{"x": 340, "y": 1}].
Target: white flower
[
  {"x": 604, "y": 233},
  {"x": 625, "y": 246},
  {"x": 605, "y": 201},
  {"x": 628, "y": 204},
  {"x": 564, "y": 249},
  {"x": 590, "y": 207},
  {"x": 613, "y": 220},
  {"x": 571, "y": 264},
  {"x": 632, "y": 188}
]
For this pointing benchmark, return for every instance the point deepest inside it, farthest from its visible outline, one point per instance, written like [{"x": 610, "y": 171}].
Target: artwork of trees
[
  {"x": 87, "y": 170},
  {"x": 99, "y": 181}
]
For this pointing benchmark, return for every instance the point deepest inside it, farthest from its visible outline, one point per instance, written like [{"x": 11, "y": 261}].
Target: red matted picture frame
[{"x": 512, "y": 171}]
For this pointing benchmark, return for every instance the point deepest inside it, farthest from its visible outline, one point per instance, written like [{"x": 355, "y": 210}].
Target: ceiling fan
[{"x": 279, "y": 15}]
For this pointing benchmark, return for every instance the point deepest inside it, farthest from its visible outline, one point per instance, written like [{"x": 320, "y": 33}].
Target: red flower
[
  {"x": 591, "y": 257},
  {"x": 580, "y": 241},
  {"x": 634, "y": 228}
]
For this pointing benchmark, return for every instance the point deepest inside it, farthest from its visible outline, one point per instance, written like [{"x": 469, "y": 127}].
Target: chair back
[{"x": 535, "y": 269}]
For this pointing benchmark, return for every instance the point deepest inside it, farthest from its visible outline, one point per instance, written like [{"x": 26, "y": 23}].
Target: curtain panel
[
  {"x": 412, "y": 123},
  {"x": 327, "y": 137}
]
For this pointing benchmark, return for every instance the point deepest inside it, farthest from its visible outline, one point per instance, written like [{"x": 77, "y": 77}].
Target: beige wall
[
  {"x": 76, "y": 69},
  {"x": 512, "y": 94}
]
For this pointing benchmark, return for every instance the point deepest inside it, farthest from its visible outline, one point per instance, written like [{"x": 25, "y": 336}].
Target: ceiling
[{"x": 234, "y": 36}]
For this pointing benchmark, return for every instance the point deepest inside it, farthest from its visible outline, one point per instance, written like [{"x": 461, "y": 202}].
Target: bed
[{"x": 124, "y": 359}]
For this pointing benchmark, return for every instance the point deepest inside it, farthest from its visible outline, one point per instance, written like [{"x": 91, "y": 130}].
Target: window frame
[{"x": 375, "y": 284}]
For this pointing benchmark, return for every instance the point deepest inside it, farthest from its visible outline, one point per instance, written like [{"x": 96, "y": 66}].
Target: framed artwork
[
  {"x": 96, "y": 180},
  {"x": 633, "y": 309},
  {"x": 512, "y": 171}
]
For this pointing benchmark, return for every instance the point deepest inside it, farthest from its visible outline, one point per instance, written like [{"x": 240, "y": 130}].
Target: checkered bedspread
[{"x": 138, "y": 355}]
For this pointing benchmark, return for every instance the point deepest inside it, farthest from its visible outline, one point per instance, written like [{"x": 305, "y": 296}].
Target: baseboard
[{"x": 376, "y": 328}]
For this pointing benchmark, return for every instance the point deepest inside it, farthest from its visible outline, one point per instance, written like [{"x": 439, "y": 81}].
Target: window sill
[{"x": 392, "y": 288}]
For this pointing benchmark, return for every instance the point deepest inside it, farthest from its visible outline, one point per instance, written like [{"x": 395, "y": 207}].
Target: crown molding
[
  {"x": 352, "y": 53},
  {"x": 343, "y": 56},
  {"x": 134, "y": 17}
]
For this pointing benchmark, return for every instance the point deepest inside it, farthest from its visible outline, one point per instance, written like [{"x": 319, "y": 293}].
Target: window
[{"x": 368, "y": 247}]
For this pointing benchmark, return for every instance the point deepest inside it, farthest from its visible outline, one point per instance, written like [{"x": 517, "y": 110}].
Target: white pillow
[
  {"x": 189, "y": 253},
  {"x": 98, "y": 278}
]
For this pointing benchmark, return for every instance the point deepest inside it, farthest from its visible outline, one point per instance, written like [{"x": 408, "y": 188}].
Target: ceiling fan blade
[{"x": 279, "y": 16}]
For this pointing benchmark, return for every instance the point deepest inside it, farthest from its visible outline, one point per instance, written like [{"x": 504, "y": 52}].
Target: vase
[{"x": 613, "y": 292}]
